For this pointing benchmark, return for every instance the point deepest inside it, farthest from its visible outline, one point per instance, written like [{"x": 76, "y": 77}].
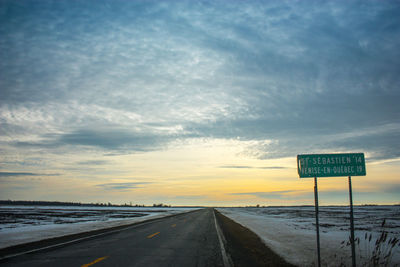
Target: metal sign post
[
  {"x": 317, "y": 219},
  {"x": 332, "y": 165},
  {"x": 353, "y": 245}
]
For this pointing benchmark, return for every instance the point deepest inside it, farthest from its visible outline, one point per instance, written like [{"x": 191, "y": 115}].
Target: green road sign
[{"x": 331, "y": 165}]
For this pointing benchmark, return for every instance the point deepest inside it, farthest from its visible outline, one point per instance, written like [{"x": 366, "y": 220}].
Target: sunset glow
[{"x": 197, "y": 103}]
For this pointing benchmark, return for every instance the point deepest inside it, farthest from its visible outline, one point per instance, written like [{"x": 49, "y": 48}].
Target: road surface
[{"x": 188, "y": 239}]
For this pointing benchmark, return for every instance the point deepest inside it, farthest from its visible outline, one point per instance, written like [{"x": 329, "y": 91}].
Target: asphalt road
[{"x": 184, "y": 240}]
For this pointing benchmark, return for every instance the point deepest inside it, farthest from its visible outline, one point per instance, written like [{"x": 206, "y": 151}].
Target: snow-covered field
[
  {"x": 23, "y": 224},
  {"x": 290, "y": 231}
]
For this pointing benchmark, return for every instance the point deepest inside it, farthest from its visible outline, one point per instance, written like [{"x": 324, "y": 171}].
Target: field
[
  {"x": 16, "y": 217},
  {"x": 22, "y": 224},
  {"x": 290, "y": 231}
]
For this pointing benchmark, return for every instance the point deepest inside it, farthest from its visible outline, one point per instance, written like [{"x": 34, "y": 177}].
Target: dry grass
[{"x": 374, "y": 251}]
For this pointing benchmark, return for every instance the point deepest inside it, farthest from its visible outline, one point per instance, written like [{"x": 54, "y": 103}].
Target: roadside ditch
[{"x": 244, "y": 247}]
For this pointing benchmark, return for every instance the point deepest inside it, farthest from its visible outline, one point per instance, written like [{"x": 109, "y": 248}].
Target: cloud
[
  {"x": 382, "y": 143},
  {"x": 379, "y": 143},
  {"x": 273, "y": 168},
  {"x": 390, "y": 188},
  {"x": 134, "y": 76},
  {"x": 109, "y": 139},
  {"x": 235, "y": 167},
  {"x": 80, "y": 82},
  {"x": 93, "y": 162},
  {"x": 285, "y": 194},
  {"x": 12, "y": 174},
  {"x": 122, "y": 186},
  {"x": 251, "y": 167}
]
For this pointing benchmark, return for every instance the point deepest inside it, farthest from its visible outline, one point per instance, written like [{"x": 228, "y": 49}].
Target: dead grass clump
[{"x": 374, "y": 251}]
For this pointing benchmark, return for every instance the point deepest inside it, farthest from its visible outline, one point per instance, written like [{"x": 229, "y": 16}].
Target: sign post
[
  {"x": 332, "y": 165},
  {"x": 353, "y": 245},
  {"x": 317, "y": 219}
]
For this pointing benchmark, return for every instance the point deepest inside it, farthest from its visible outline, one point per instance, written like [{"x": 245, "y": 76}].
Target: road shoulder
[{"x": 245, "y": 247}]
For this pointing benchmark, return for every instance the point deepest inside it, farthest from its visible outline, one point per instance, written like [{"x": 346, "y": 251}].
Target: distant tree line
[
  {"x": 161, "y": 205},
  {"x": 60, "y": 203}
]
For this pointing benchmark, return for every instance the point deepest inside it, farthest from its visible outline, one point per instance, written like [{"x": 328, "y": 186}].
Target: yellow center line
[
  {"x": 150, "y": 236},
  {"x": 94, "y": 262},
  {"x": 174, "y": 225}
]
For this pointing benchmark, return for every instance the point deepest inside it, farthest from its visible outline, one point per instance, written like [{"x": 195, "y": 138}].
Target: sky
[{"x": 197, "y": 102}]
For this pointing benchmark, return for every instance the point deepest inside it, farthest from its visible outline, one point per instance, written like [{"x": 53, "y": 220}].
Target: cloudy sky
[{"x": 197, "y": 102}]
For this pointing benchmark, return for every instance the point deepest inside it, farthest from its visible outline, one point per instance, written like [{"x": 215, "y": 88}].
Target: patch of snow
[{"x": 290, "y": 231}]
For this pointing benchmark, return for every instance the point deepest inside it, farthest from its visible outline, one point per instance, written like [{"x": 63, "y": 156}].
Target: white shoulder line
[{"x": 226, "y": 259}]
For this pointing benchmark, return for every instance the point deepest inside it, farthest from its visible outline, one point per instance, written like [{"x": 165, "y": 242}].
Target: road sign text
[{"x": 331, "y": 165}]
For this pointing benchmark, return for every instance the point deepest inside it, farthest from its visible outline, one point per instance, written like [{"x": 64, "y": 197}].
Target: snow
[
  {"x": 24, "y": 224},
  {"x": 290, "y": 231}
]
